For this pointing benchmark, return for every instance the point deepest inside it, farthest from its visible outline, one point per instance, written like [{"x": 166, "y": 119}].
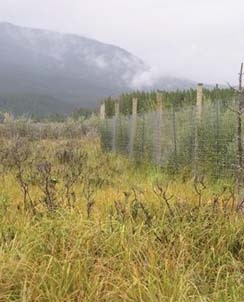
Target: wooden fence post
[
  {"x": 159, "y": 128},
  {"x": 199, "y": 102},
  {"x": 102, "y": 111},
  {"x": 115, "y": 120},
  {"x": 116, "y": 108},
  {"x": 133, "y": 126}
]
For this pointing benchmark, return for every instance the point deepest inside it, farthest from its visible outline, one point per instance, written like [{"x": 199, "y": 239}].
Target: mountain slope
[
  {"x": 67, "y": 68},
  {"x": 29, "y": 104}
]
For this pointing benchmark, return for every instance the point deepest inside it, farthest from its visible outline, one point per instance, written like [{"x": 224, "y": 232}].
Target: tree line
[{"x": 147, "y": 101}]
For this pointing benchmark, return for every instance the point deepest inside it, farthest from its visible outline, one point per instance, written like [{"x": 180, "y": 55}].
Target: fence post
[
  {"x": 143, "y": 136},
  {"x": 102, "y": 111},
  {"x": 115, "y": 120},
  {"x": 217, "y": 132},
  {"x": 174, "y": 135},
  {"x": 116, "y": 110},
  {"x": 159, "y": 130},
  {"x": 133, "y": 127},
  {"x": 199, "y": 102}
]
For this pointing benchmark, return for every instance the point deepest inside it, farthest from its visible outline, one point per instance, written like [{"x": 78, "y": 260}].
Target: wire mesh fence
[{"x": 179, "y": 139}]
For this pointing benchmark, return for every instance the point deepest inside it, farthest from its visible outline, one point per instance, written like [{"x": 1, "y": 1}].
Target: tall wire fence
[{"x": 191, "y": 140}]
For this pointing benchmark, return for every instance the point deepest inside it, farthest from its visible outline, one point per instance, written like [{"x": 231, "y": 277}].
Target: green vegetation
[
  {"x": 39, "y": 107},
  {"x": 81, "y": 225},
  {"x": 33, "y": 105},
  {"x": 178, "y": 99},
  {"x": 185, "y": 143}
]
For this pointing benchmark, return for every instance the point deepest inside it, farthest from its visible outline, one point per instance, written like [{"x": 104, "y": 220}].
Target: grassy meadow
[{"x": 78, "y": 224}]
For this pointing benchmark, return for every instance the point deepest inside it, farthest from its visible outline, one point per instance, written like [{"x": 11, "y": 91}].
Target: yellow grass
[{"x": 196, "y": 254}]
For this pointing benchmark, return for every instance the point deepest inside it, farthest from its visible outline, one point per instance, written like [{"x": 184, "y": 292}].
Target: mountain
[{"x": 63, "y": 69}]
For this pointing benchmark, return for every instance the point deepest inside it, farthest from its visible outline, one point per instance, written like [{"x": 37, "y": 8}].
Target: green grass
[{"x": 132, "y": 247}]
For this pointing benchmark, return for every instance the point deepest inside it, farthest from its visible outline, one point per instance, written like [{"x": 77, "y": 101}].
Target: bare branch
[{"x": 240, "y": 78}]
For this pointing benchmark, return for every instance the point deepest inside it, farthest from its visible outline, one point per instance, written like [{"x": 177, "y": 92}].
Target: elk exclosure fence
[{"x": 200, "y": 139}]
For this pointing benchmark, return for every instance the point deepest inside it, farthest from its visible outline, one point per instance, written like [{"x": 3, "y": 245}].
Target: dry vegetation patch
[{"x": 81, "y": 225}]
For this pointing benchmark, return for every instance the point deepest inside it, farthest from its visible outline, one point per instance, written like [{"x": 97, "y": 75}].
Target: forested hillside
[
  {"x": 67, "y": 70},
  {"x": 33, "y": 105}
]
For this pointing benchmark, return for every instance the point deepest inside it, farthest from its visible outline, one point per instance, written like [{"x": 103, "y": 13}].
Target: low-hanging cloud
[
  {"x": 199, "y": 39},
  {"x": 146, "y": 79}
]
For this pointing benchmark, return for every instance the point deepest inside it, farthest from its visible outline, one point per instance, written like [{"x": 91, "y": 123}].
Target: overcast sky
[{"x": 202, "y": 40}]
